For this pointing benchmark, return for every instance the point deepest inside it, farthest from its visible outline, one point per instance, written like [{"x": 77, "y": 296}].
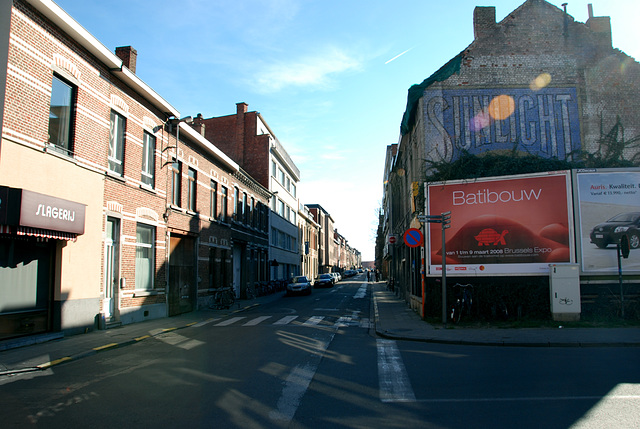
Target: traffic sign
[
  {"x": 392, "y": 239},
  {"x": 413, "y": 237}
]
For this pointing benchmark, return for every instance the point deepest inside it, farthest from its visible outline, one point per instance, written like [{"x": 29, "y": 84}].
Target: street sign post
[{"x": 445, "y": 220}]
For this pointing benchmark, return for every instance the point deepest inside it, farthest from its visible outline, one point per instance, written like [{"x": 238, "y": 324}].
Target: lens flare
[
  {"x": 480, "y": 121},
  {"x": 501, "y": 107},
  {"x": 542, "y": 81}
]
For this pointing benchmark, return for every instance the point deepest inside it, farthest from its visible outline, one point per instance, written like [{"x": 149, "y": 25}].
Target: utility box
[{"x": 564, "y": 282}]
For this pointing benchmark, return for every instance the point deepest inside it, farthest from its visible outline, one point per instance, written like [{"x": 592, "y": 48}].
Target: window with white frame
[
  {"x": 148, "y": 159},
  {"x": 176, "y": 183},
  {"x": 214, "y": 200},
  {"x": 116, "y": 142},
  {"x": 145, "y": 256},
  {"x": 62, "y": 115},
  {"x": 223, "y": 203},
  {"x": 193, "y": 184}
]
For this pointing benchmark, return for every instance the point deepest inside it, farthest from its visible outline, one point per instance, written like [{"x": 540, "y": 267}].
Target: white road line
[
  {"x": 296, "y": 385},
  {"x": 205, "y": 322},
  {"x": 342, "y": 322},
  {"x": 361, "y": 292},
  {"x": 314, "y": 320},
  {"x": 257, "y": 320},
  {"x": 229, "y": 321},
  {"x": 286, "y": 320},
  {"x": 392, "y": 375}
]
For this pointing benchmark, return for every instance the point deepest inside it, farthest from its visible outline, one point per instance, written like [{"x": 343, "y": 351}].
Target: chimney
[
  {"x": 241, "y": 110},
  {"x": 199, "y": 125},
  {"x": 484, "y": 21},
  {"x": 601, "y": 27},
  {"x": 128, "y": 55}
]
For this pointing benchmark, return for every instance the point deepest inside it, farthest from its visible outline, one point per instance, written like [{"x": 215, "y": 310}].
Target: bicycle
[
  {"x": 464, "y": 301},
  {"x": 224, "y": 297}
]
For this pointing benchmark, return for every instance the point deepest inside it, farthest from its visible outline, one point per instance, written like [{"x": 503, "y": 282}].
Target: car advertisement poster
[
  {"x": 502, "y": 225},
  {"x": 608, "y": 204}
]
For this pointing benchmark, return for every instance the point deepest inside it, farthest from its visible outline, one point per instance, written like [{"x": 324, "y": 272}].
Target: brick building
[
  {"x": 247, "y": 139},
  {"x": 112, "y": 210},
  {"x": 538, "y": 82},
  {"x": 327, "y": 249}
]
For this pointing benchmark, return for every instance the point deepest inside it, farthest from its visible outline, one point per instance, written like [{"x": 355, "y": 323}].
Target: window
[
  {"x": 252, "y": 212},
  {"x": 293, "y": 189},
  {"x": 281, "y": 208},
  {"x": 288, "y": 185},
  {"x": 176, "y": 182},
  {"x": 281, "y": 177},
  {"x": 273, "y": 168},
  {"x": 145, "y": 256},
  {"x": 116, "y": 143},
  {"x": 223, "y": 204},
  {"x": 245, "y": 212},
  {"x": 61, "y": 115},
  {"x": 148, "y": 159},
  {"x": 236, "y": 201},
  {"x": 192, "y": 190},
  {"x": 214, "y": 199}
]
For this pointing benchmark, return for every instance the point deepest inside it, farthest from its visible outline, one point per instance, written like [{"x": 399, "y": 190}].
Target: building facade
[
  {"x": 248, "y": 140},
  {"x": 536, "y": 83}
]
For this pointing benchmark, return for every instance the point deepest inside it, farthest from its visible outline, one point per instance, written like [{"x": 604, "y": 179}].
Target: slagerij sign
[{"x": 543, "y": 122}]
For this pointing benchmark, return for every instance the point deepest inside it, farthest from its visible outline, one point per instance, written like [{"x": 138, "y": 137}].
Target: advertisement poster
[
  {"x": 608, "y": 206},
  {"x": 544, "y": 122},
  {"x": 505, "y": 225}
]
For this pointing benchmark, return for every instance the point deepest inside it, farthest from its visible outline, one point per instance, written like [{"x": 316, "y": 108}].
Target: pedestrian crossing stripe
[{"x": 341, "y": 322}]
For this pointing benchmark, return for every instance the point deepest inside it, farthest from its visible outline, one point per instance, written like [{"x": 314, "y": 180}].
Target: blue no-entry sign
[{"x": 413, "y": 237}]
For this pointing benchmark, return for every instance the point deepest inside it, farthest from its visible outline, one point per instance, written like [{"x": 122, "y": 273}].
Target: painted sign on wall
[{"x": 544, "y": 122}]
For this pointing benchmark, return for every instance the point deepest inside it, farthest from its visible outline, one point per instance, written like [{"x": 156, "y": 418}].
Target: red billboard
[{"x": 502, "y": 225}]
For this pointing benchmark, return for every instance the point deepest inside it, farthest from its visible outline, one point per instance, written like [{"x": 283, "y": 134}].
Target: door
[
  {"x": 237, "y": 269},
  {"x": 112, "y": 269},
  {"x": 182, "y": 275}
]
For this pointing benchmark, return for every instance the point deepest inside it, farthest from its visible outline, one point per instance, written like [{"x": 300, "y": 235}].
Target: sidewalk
[{"x": 393, "y": 320}]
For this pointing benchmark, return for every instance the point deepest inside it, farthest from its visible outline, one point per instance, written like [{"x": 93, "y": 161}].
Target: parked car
[
  {"x": 324, "y": 280},
  {"x": 299, "y": 285},
  {"x": 609, "y": 232}
]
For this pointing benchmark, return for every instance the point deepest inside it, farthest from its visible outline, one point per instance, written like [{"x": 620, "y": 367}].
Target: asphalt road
[{"x": 313, "y": 362}]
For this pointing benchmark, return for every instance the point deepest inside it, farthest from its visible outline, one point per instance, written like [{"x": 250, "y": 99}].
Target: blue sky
[{"x": 330, "y": 77}]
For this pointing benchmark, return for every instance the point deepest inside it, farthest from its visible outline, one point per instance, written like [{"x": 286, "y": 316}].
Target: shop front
[{"x": 33, "y": 227}]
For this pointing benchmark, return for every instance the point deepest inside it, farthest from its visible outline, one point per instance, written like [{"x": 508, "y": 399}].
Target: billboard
[
  {"x": 502, "y": 225},
  {"x": 543, "y": 122},
  {"x": 608, "y": 205}
]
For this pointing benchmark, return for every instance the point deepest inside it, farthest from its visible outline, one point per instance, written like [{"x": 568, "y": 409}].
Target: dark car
[
  {"x": 324, "y": 280},
  {"x": 609, "y": 232},
  {"x": 299, "y": 285}
]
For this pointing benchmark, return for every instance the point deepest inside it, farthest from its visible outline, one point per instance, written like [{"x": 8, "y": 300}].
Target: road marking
[
  {"x": 314, "y": 320},
  {"x": 342, "y": 322},
  {"x": 296, "y": 385},
  {"x": 205, "y": 322},
  {"x": 361, "y": 292},
  {"x": 256, "y": 321},
  {"x": 229, "y": 321},
  {"x": 392, "y": 375},
  {"x": 286, "y": 320}
]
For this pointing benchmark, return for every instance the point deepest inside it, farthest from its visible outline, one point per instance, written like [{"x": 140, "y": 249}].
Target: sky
[{"x": 330, "y": 77}]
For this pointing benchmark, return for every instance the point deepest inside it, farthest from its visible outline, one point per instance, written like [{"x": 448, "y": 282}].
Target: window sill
[
  {"x": 59, "y": 152},
  {"x": 110, "y": 174},
  {"x": 142, "y": 292},
  {"x": 148, "y": 189}
]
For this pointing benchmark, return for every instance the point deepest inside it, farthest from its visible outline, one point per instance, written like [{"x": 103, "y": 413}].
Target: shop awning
[{"x": 45, "y": 233}]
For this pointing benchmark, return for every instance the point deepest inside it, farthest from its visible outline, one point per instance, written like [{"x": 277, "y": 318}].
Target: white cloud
[{"x": 315, "y": 71}]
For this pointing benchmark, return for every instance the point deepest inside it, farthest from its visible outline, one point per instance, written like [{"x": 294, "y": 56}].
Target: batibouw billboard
[
  {"x": 509, "y": 225},
  {"x": 608, "y": 206}
]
